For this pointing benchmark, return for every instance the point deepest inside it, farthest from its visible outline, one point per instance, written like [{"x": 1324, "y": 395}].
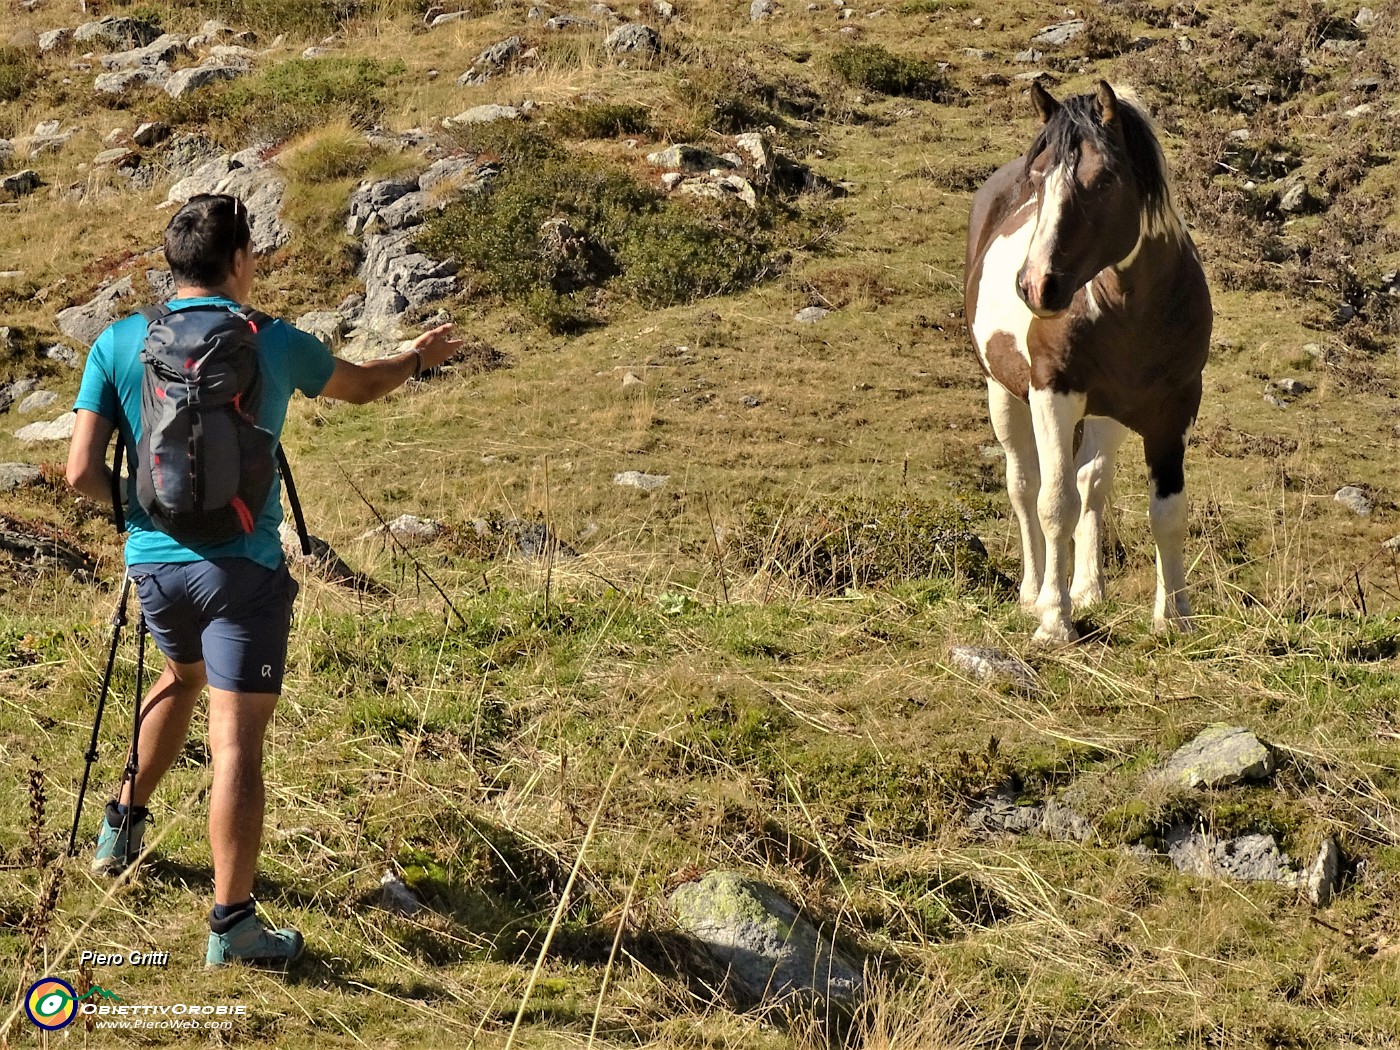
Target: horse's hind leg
[
  {"x": 1094, "y": 463},
  {"x": 1011, "y": 421},
  {"x": 1166, "y": 455}
]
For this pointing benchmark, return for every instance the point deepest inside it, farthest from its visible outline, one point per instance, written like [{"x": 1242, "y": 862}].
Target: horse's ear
[
  {"x": 1106, "y": 102},
  {"x": 1044, "y": 102}
]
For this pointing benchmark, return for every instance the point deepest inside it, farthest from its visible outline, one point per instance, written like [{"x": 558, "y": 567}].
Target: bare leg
[
  {"x": 1056, "y": 416},
  {"x": 165, "y": 723},
  {"x": 1011, "y": 421},
  {"x": 237, "y": 726},
  {"x": 1094, "y": 462}
]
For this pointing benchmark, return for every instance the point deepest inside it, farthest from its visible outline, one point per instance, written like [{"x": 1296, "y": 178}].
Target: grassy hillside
[{"x": 733, "y": 672}]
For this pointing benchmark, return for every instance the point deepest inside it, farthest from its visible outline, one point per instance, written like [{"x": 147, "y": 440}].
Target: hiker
[{"x": 219, "y": 612}]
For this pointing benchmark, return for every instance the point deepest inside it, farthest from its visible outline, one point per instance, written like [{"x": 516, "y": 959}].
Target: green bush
[
  {"x": 870, "y": 66},
  {"x": 601, "y": 120},
  {"x": 18, "y": 72},
  {"x": 290, "y": 98},
  {"x": 656, "y": 251}
]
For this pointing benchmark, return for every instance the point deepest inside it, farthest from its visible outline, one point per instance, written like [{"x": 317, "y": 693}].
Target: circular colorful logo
[{"x": 51, "y": 1003}]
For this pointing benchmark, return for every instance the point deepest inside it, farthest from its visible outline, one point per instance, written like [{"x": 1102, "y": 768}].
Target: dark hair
[{"x": 202, "y": 237}]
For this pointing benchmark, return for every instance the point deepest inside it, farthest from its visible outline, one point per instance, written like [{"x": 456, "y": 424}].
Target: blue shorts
[{"x": 232, "y": 613}]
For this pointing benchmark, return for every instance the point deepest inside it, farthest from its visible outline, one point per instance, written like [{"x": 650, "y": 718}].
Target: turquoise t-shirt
[{"x": 289, "y": 359}]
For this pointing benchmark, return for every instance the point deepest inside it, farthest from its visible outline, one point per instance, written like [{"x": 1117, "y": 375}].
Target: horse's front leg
[
  {"x": 1054, "y": 416},
  {"x": 1094, "y": 463},
  {"x": 1011, "y": 421},
  {"x": 1166, "y": 455}
]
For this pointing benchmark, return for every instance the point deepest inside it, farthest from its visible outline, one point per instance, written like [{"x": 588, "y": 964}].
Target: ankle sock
[
  {"x": 117, "y": 812},
  {"x": 223, "y": 911}
]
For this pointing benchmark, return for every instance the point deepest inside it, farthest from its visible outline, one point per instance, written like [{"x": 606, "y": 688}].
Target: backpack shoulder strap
[
  {"x": 154, "y": 313},
  {"x": 297, "y": 515}
]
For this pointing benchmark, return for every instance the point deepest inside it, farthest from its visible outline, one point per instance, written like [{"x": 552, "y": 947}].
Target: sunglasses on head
[{"x": 240, "y": 210}]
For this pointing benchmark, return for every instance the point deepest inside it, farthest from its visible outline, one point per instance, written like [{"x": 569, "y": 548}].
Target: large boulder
[
  {"x": 187, "y": 80},
  {"x": 117, "y": 32},
  {"x": 255, "y": 182},
  {"x": 18, "y": 475},
  {"x": 497, "y": 58},
  {"x": 634, "y": 39},
  {"x": 398, "y": 277},
  {"x": 120, "y": 81},
  {"x": 163, "y": 50},
  {"x": 60, "y": 429},
  {"x": 770, "y": 953},
  {"x": 21, "y": 183}
]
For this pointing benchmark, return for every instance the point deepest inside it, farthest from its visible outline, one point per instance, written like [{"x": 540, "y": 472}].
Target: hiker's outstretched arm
[
  {"x": 87, "y": 456},
  {"x": 362, "y": 383}
]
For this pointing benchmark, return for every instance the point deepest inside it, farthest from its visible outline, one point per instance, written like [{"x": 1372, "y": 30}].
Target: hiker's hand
[{"x": 436, "y": 346}]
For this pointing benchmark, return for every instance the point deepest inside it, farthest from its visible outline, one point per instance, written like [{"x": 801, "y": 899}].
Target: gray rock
[
  {"x": 1295, "y": 199},
  {"x": 1392, "y": 544},
  {"x": 398, "y": 277},
  {"x": 1221, "y": 755},
  {"x": 60, "y": 429},
  {"x": 663, "y": 9},
  {"x": 685, "y": 157},
  {"x": 484, "y": 115},
  {"x": 1365, "y": 19},
  {"x": 37, "y": 546},
  {"x": 117, "y": 32},
  {"x": 407, "y": 211},
  {"x": 770, "y": 953},
  {"x": 534, "y": 540},
  {"x": 18, "y": 475},
  {"x": 83, "y": 324},
  {"x": 231, "y": 54},
  {"x": 120, "y": 81},
  {"x": 631, "y": 380},
  {"x": 1324, "y": 878},
  {"x": 560, "y": 23},
  {"x": 395, "y": 896},
  {"x": 7, "y": 152},
  {"x": 325, "y": 563},
  {"x": 317, "y": 52},
  {"x": 256, "y": 183},
  {"x": 992, "y": 665},
  {"x": 637, "y": 480},
  {"x": 810, "y": 314},
  {"x": 1357, "y": 500},
  {"x": 164, "y": 49},
  {"x": 449, "y": 18},
  {"x": 409, "y": 529},
  {"x": 117, "y": 157},
  {"x": 151, "y": 133},
  {"x": 329, "y": 326},
  {"x": 21, "y": 183},
  {"x": 1030, "y": 56},
  {"x": 498, "y": 57},
  {"x": 187, "y": 80},
  {"x": 54, "y": 39},
  {"x": 162, "y": 285},
  {"x": 634, "y": 39},
  {"x": 448, "y": 171},
  {"x": 1269, "y": 399},
  {"x": 1001, "y": 813},
  {"x": 1249, "y": 858},
  {"x": 64, "y": 355},
  {"x": 16, "y": 390},
  {"x": 761, "y": 9},
  {"x": 36, "y": 402},
  {"x": 212, "y": 30},
  {"x": 1060, "y": 34},
  {"x": 750, "y": 401},
  {"x": 1291, "y": 387}
]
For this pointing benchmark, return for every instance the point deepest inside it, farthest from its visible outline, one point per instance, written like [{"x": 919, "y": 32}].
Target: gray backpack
[{"x": 204, "y": 466}]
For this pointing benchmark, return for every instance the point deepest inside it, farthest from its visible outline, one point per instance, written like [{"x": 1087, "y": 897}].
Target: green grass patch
[
  {"x": 19, "y": 70},
  {"x": 871, "y": 67},
  {"x": 601, "y": 120}
]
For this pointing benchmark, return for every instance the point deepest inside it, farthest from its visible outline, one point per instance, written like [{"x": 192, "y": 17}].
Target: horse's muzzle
[{"x": 1049, "y": 296}]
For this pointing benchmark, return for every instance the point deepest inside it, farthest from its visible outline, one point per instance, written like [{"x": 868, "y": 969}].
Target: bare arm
[
  {"x": 366, "y": 382},
  {"x": 87, "y": 456}
]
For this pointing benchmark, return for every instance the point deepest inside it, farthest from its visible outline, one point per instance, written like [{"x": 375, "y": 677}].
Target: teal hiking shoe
[
  {"x": 110, "y": 858},
  {"x": 243, "y": 938}
]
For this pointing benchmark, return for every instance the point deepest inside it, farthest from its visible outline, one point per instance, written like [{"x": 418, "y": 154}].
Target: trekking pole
[
  {"x": 133, "y": 762},
  {"x": 118, "y": 622}
]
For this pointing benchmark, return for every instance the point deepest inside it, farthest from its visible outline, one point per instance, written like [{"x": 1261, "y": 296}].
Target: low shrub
[
  {"x": 871, "y": 67},
  {"x": 601, "y": 120},
  {"x": 831, "y": 545},
  {"x": 18, "y": 72},
  {"x": 290, "y": 98}
]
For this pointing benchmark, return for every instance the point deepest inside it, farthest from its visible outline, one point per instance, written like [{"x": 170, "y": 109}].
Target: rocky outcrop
[
  {"x": 497, "y": 58},
  {"x": 634, "y": 39},
  {"x": 116, "y": 32},
  {"x": 196, "y": 77},
  {"x": 770, "y": 954},
  {"x": 257, "y": 183},
  {"x": 83, "y": 324},
  {"x": 1254, "y": 858}
]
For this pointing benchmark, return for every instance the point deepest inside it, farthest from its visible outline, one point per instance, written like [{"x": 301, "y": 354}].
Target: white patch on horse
[
  {"x": 1011, "y": 421},
  {"x": 1094, "y": 465},
  {"x": 999, "y": 308},
  {"x": 1054, "y": 195},
  {"x": 1055, "y": 416},
  {"x": 1167, "y": 516}
]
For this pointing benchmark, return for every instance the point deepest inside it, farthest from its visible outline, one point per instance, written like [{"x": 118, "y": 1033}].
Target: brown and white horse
[{"x": 1091, "y": 317}]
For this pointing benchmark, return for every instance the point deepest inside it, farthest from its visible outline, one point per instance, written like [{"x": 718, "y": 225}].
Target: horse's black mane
[{"x": 1077, "y": 121}]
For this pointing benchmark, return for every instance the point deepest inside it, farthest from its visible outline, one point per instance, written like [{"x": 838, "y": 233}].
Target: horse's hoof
[{"x": 1058, "y": 633}]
